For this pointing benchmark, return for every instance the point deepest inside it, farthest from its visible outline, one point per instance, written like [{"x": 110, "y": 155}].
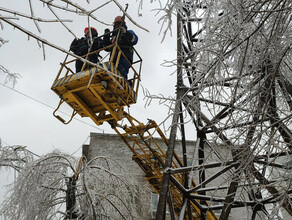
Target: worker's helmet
[
  {"x": 119, "y": 19},
  {"x": 93, "y": 30}
]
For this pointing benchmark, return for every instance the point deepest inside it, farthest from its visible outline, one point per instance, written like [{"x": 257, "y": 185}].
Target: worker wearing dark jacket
[
  {"x": 85, "y": 45},
  {"x": 127, "y": 39}
]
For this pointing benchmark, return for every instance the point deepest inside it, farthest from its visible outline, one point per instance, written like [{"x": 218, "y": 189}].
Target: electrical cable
[
  {"x": 80, "y": 146},
  {"x": 45, "y": 104}
]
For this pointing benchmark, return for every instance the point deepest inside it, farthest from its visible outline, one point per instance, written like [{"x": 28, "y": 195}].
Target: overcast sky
[
  {"x": 31, "y": 123},
  {"x": 25, "y": 113}
]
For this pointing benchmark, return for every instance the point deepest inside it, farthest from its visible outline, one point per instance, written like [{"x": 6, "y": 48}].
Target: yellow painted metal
[
  {"x": 150, "y": 156},
  {"x": 101, "y": 93}
]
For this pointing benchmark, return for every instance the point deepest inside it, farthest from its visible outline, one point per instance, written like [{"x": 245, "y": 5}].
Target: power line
[
  {"x": 45, "y": 104},
  {"x": 80, "y": 146}
]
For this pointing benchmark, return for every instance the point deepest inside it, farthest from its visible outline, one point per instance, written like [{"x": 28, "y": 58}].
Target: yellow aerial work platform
[{"x": 100, "y": 92}]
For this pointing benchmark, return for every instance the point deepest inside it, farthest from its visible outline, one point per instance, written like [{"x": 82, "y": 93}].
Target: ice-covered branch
[{"x": 47, "y": 186}]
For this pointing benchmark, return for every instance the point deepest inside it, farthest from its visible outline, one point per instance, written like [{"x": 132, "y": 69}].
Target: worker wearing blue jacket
[{"x": 127, "y": 39}]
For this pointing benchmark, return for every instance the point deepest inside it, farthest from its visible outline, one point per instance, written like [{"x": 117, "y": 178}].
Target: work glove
[
  {"x": 106, "y": 31},
  {"x": 123, "y": 30},
  {"x": 106, "y": 36}
]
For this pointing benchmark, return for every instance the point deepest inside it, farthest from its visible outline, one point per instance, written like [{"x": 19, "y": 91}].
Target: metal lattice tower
[{"x": 239, "y": 102}]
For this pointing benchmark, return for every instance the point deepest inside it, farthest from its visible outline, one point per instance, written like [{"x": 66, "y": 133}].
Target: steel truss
[
  {"x": 241, "y": 117},
  {"x": 242, "y": 120}
]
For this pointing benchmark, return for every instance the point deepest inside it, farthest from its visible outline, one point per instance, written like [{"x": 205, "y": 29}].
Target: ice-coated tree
[
  {"x": 51, "y": 187},
  {"x": 14, "y": 157},
  {"x": 234, "y": 83},
  {"x": 58, "y": 186},
  {"x": 234, "y": 73}
]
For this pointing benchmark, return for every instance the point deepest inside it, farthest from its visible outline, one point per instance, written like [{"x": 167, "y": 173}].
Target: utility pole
[
  {"x": 241, "y": 117},
  {"x": 164, "y": 191}
]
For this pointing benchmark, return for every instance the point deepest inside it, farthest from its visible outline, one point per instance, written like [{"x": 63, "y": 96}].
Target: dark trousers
[{"x": 123, "y": 68}]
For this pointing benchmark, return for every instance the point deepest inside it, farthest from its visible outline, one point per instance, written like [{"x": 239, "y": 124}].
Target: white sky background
[
  {"x": 27, "y": 122},
  {"x": 30, "y": 123}
]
